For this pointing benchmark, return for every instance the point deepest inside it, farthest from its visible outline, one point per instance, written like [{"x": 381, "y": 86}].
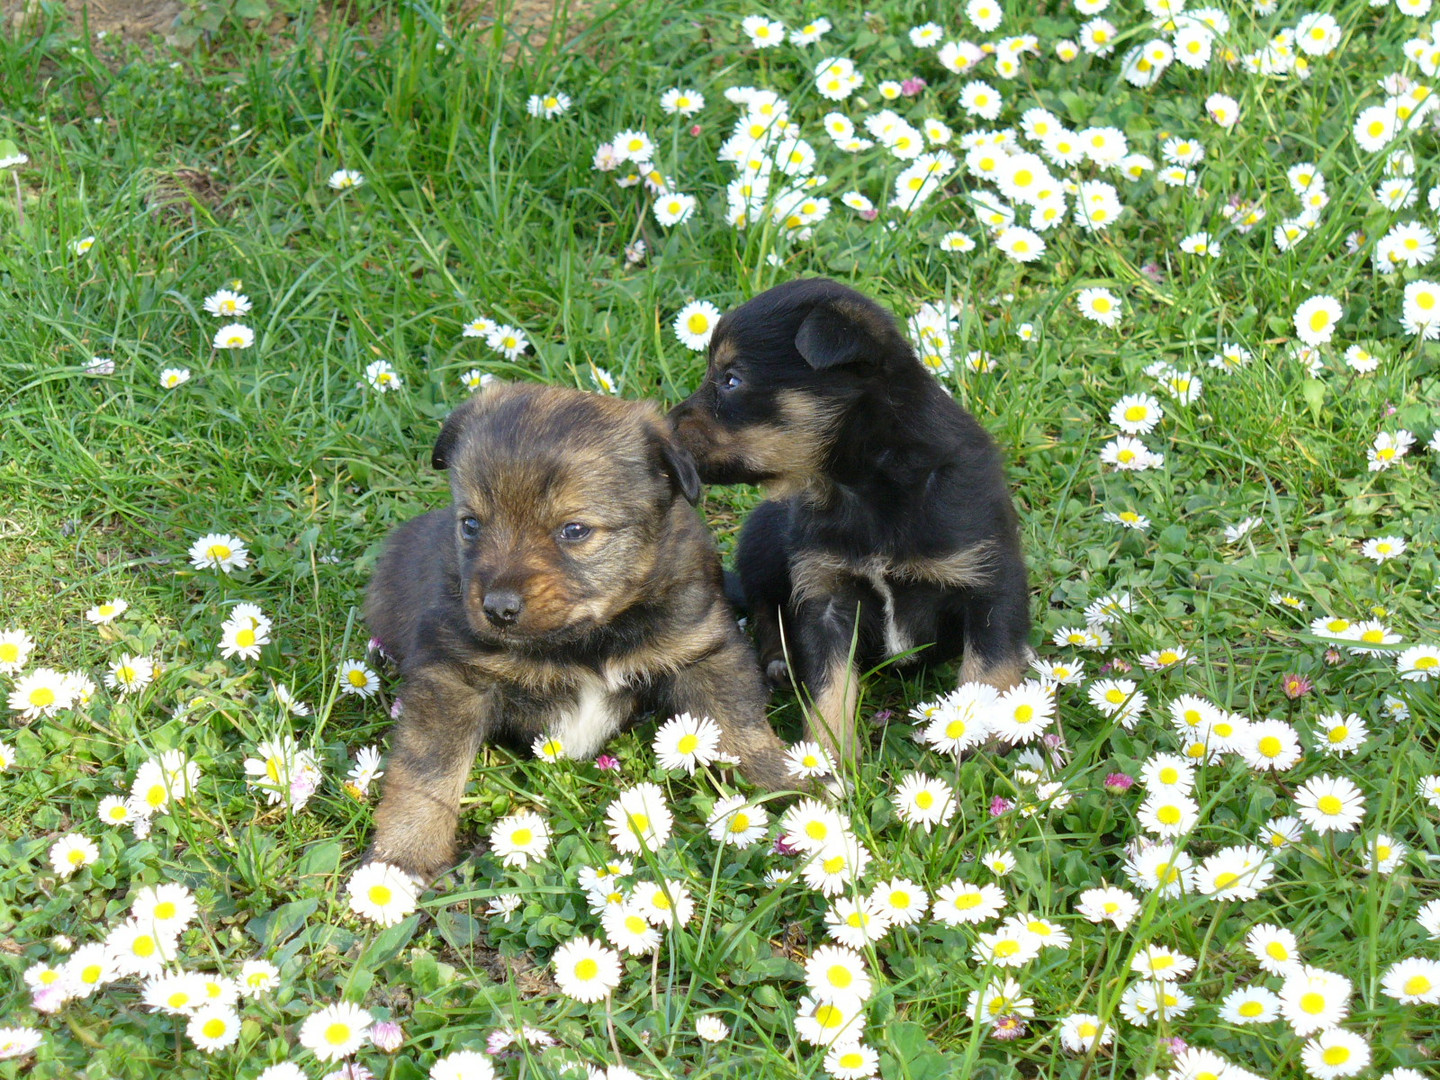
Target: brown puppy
[
  {"x": 569, "y": 588},
  {"x": 888, "y": 528}
]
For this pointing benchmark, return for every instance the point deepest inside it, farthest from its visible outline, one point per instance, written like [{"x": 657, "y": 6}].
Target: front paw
[{"x": 777, "y": 673}]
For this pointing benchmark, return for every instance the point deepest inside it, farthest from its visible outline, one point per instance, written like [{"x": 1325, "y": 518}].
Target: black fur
[{"x": 895, "y": 471}]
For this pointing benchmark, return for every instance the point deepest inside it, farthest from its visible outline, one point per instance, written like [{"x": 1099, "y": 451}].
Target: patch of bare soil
[
  {"x": 140, "y": 20},
  {"x": 136, "y": 20}
]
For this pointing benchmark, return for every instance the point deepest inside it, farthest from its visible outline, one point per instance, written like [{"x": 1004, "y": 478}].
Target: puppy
[
  {"x": 570, "y": 587},
  {"x": 888, "y": 526}
]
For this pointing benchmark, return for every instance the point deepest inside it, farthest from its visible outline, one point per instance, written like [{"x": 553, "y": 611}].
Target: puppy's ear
[
  {"x": 450, "y": 433},
  {"x": 844, "y": 331},
  {"x": 679, "y": 466}
]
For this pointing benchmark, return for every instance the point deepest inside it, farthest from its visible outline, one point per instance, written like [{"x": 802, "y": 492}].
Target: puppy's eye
[
  {"x": 470, "y": 527},
  {"x": 728, "y": 381},
  {"x": 573, "y": 530}
]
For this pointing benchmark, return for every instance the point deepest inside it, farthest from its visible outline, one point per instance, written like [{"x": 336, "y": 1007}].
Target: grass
[{"x": 470, "y": 207}]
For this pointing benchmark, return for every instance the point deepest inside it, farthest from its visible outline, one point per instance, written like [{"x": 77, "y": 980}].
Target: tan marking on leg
[
  {"x": 1001, "y": 675},
  {"x": 831, "y": 721}
]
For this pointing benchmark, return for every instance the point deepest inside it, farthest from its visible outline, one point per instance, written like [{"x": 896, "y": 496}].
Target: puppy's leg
[
  {"x": 726, "y": 687},
  {"x": 997, "y": 629},
  {"x": 762, "y": 559},
  {"x": 433, "y": 745},
  {"x": 824, "y": 649}
]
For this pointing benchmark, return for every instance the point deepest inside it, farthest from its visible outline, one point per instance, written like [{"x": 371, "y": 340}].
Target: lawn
[{"x": 1181, "y": 263}]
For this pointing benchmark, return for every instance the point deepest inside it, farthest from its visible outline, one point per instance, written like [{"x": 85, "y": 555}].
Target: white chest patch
[
  {"x": 584, "y": 727},
  {"x": 896, "y": 640}
]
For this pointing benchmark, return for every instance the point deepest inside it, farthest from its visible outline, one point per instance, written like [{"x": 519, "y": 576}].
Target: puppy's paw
[{"x": 777, "y": 673}]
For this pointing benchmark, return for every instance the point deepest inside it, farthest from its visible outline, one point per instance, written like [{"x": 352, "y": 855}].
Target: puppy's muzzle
[{"x": 502, "y": 607}]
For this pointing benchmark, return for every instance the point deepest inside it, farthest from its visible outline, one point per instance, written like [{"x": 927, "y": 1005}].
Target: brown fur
[{"x": 515, "y": 629}]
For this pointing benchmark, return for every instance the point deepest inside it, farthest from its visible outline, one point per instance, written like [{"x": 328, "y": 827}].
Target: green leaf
[
  {"x": 1313, "y": 391},
  {"x": 281, "y": 924}
]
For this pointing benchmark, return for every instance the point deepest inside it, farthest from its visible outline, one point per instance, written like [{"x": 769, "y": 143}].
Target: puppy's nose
[{"x": 502, "y": 606}]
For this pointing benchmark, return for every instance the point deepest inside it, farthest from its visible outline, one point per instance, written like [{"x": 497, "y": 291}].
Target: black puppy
[{"x": 889, "y": 527}]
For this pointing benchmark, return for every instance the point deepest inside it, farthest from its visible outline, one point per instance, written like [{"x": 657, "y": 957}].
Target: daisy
[
  {"x": 1281, "y": 832},
  {"x": 1108, "y": 904},
  {"x": 257, "y": 977},
  {"x": 1100, "y": 306},
  {"x": 179, "y": 994},
  {"x": 1386, "y": 855},
  {"x": 685, "y": 742},
  {"x": 829, "y": 1023},
  {"x": 586, "y": 970},
  {"x": 1023, "y": 713},
  {"x": 1315, "y": 319},
  {"x": 1270, "y": 744},
  {"x": 1162, "y": 964},
  {"x": 810, "y": 825},
  {"x": 170, "y": 908},
  {"x": 219, "y": 551},
  {"x": 920, "y": 800},
  {"x": 101, "y": 614},
  {"x": 962, "y": 903},
  {"x": 1160, "y": 659},
  {"x": 711, "y": 1028},
  {"x": 71, "y": 852},
  {"x": 1082, "y": 1032},
  {"x": 1234, "y": 873},
  {"x": 460, "y": 1065},
  {"x": 1060, "y": 672},
  {"x": 858, "y": 922},
  {"x": 999, "y": 863},
  {"x": 1274, "y": 949},
  {"x": 1338, "y": 734},
  {"x": 1388, "y": 449},
  {"x": 213, "y": 1027},
  {"x": 1117, "y": 697},
  {"x": 1419, "y": 663},
  {"x": 357, "y": 679},
  {"x": 736, "y": 820},
  {"x": 140, "y": 948},
  {"x": 15, "y": 647},
  {"x": 1005, "y": 948},
  {"x": 1329, "y": 804},
  {"x": 999, "y": 998},
  {"x": 629, "y": 930},
  {"x": 519, "y": 838},
  {"x": 1421, "y": 312},
  {"x": 1383, "y": 548},
  {"x": 83, "y": 245},
  {"x": 345, "y": 179},
  {"x": 289, "y": 702},
  {"x": 1127, "y": 519},
  {"x": 1250, "y": 1005},
  {"x": 763, "y": 33},
  {"x": 673, "y": 209},
  {"x": 963, "y": 719},
  {"x": 1136, "y": 414},
  {"x": 1168, "y": 814},
  {"x": 234, "y": 336},
  {"x": 837, "y": 974},
  {"x": 1161, "y": 867},
  {"x": 41, "y": 693},
  {"x": 695, "y": 323},
  {"x": 807, "y": 760},
  {"x": 227, "y": 304},
  {"x": 548, "y": 106},
  {"x": 666, "y": 903},
  {"x": 89, "y": 968},
  {"x": 478, "y": 327},
  {"x": 335, "y": 1031},
  {"x": 851, "y": 1061},
  {"x": 381, "y": 893},
  {"x": 901, "y": 901},
  {"x": 1145, "y": 1001},
  {"x": 1413, "y": 981},
  {"x": 1335, "y": 1053},
  {"x": 639, "y": 820},
  {"x": 837, "y": 867}
]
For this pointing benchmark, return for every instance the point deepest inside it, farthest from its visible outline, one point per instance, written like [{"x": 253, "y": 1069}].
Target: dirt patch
[
  {"x": 142, "y": 20},
  {"x": 136, "y": 20}
]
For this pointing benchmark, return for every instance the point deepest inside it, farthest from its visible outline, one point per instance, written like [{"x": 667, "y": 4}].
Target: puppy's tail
[{"x": 735, "y": 593}]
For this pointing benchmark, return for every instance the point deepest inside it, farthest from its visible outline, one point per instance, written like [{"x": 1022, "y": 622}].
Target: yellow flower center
[
  {"x": 42, "y": 696},
  {"x": 356, "y": 677},
  {"x": 1329, "y": 804},
  {"x": 698, "y": 323},
  {"x": 337, "y": 1034},
  {"x": 213, "y": 1028},
  {"x": 521, "y": 837},
  {"x": 1336, "y": 1055},
  {"x": 1312, "y": 1003},
  {"x": 841, "y": 976},
  {"x": 1416, "y": 985},
  {"x": 1339, "y": 733},
  {"x": 1270, "y": 746},
  {"x": 924, "y": 800},
  {"x": 688, "y": 742}
]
